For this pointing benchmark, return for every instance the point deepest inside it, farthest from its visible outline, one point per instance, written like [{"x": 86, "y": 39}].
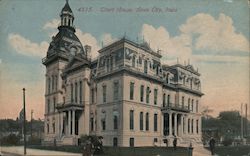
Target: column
[
  {"x": 170, "y": 124},
  {"x": 175, "y": 124},
  {"x": 181, "y": 130},
  {"x": 69, "y": 122},
  {"x": 73, "y": 122}
]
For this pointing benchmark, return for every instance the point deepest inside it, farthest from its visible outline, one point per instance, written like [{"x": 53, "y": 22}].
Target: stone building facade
[{"x": 125, "y": 95}]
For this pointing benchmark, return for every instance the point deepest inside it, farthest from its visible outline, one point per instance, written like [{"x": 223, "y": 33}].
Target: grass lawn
[
  {"x": 124, "y": 151},
  {"x": 232, "y": 150}
]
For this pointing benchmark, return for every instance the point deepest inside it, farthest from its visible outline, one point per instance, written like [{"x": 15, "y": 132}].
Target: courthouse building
[{"x": 125, "y": 95}]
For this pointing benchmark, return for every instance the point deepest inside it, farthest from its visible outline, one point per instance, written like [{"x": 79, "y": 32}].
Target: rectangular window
[
  {"x": 155, "y": 96},
  {"x": 48, "y": 102},
  {"x": 131, "y": 142},
  {"x": 116, "y": 90},
  {"x": 147, "y": 94},
  {"x": 132, "y": 85},
  {"x": 104, "y": 90},
  {"x": 197, "y": 126},
  {"x": 131, "y": 120},
  {"x": 52, "y": 83},
  {"x": 141, "y": 121},
  {"x": 56, "y": 82},
  {"x": 80, "y": 86},
  {"x": 168, "y": 100},
  {"x": 54, "y": 104},
  {"x": 92, "y": 95},
  {"x": 182, "y": 101},
  {"x": 164, "y": 100},
  {"x": 103, "y": 124},
  {"x": 54, "y": 127},
  {"x": 71, "y": 92},
  {"x": 115, "y": 142},
  {"x": 76, "y": 92},
  {"x": 147, "y": 121},
  {"x": 49, "y": 85},
  {"x": 115, "y": 122},
  {"x": 192, "y": 105},
  {"x": 155, "y": 122},
  {"x": 142, "y": 93},
  {"x": 197, "y": 107},
  {"x": 91, "y": 123}
]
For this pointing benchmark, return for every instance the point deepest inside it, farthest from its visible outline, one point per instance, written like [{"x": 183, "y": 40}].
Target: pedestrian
[
  {"x": 175, "y": 142},
  {"x": 212, "y": 145}
]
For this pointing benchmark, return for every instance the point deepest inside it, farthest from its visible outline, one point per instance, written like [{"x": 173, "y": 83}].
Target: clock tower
[{"x": 64, "y": 48}]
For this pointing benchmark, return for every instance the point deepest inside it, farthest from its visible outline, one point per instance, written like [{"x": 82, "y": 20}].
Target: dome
[{"x": 66, "y": 41}]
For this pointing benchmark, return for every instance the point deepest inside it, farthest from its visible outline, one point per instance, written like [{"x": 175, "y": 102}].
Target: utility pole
[
  {"x": 31, "y": 123},
  {"x": 24, "y": 121},
  {"x": 241, "y": 121}
]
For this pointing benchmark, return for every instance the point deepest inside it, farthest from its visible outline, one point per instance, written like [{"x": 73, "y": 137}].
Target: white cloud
[
  {"x": 26, "y": 47},
  {"x": 52, "y": 24},
  {"x": 172, "y": 47},
  {"x": 107, "y": 39},
  {"x": 88, "y": 39},
  {"x": 200, "y": 32},
  {"x": 214, "y": 34}
]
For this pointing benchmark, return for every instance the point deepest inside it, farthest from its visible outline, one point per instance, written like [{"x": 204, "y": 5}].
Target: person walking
[
  {"x": 212, "y": 145},
  {"x": 175, "y": 142}
]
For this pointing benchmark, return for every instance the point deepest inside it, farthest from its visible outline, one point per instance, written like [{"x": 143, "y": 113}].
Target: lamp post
[{"x": 24, "y": 121}]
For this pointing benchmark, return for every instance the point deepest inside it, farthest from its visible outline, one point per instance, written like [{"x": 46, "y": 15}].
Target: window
[
  {"x": 52, "y": 83},
  {"x": 188, "y": 125},
  {"x": 141, "y": 121},
  {"x": 104, "y": 89},
  {"x": 49, "y": 85},
  {"x": 80, "y": 86},
  {"x": 115, "y": 122},
  {"x": 116, "y": 90},
  {"x": 54, "y": 104},
  {"x": 115, "y": 142},
  {"x": 164, "y": 100},
  {"x": 197, "y": 107},
  {"x": 103, "y": 124},
  {"x": 56, "y": 82},
  {"x": 111, "y": 63},
  {"x": 197, "y": 126},
  {"x": 131, "y": 120},
  {"x": 91, "y": 123},
  {"x": 131, "y": 142},
  {"x": 48, "y": 102},
  {"x": 132, "y": 84},
  {"x": 168, "y": 100},
  {"x": 71, "y": 92},
  {"x": 188, "y": 104},
  {"x": 192, "y": 105},
  {"x": 155, "y": 96},
  {"x": 54, "y": 128},
  {"x": 145, "y": 67},
  {"x": 142, "y": 93},
  {"x": 92, "y": 95},
  {"x": 47, "y": 128},
  {"x": 182, "y": 101},
  {"x": 147, "y": 121},
  {"x": 192, "y": 126},
  {"x": 155, "y": 140},
  {"x": 133, "y": 61},
  {"x": 147, "y": 95},
  {"x": 155, "y": 122},
  {"x": 76, "y": 93}
]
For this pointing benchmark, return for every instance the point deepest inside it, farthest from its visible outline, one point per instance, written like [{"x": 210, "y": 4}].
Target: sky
[{"x": 213, "y": 35}]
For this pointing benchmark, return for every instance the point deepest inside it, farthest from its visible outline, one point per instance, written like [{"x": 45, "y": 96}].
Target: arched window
[
  {"x": 141, "y": 121},
  {"x": 147, "y": 121}
]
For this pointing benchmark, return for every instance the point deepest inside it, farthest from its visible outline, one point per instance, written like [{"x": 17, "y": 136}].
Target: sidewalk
[
  {"x": 201, "y": 151},
  {"x": 18, "y": 150}
]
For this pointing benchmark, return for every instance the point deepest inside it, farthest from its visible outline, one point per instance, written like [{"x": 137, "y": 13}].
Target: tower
[{"x": 63, "y": 50}]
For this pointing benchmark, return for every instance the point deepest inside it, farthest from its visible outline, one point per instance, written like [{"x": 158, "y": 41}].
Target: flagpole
[{"x": 24, "y": 120}]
